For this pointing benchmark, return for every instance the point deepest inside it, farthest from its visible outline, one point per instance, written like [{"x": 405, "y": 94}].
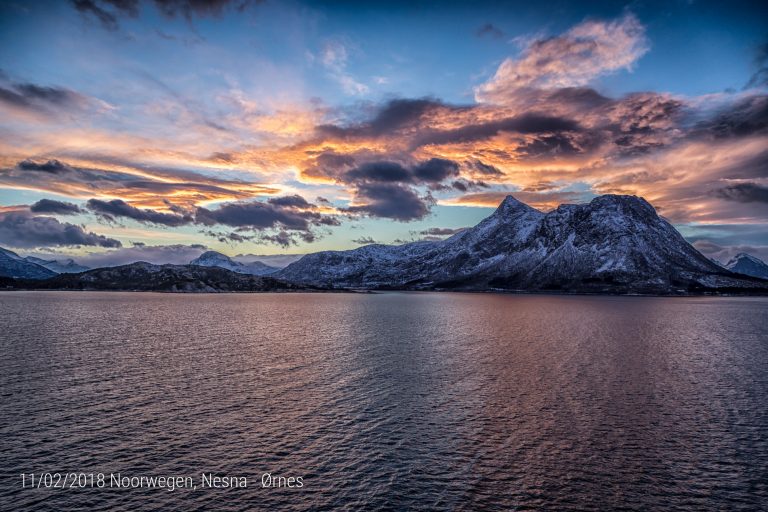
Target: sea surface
[{"x": 388, "y": 401}]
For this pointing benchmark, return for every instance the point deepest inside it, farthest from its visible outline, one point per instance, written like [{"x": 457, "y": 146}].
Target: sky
[{"x": 157, "y": 129}]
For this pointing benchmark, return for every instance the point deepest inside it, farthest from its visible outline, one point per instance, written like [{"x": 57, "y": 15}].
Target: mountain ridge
[
  {"x": 613, "y": 244},
  {"x": 144, "y": 276}
]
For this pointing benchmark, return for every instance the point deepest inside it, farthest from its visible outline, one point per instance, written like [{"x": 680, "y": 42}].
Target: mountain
[
  {"x": 614, "y": 244},
  {"x": 68, "y": 266},
  {"x": 142, "y": 276},
  {"x": 746, "y": 264},
  {"x": 216, "y": 259},
  {"x": 13, "y": 265}
]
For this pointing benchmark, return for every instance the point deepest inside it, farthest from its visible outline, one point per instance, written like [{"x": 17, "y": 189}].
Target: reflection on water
[{"x": 394, "y": 400}]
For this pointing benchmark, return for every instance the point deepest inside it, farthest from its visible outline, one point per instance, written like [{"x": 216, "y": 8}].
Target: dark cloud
[
  {"x": 286, "y": 239},
  {"x": 294, "y": 201},
  {"x": 401, "y": 112},
  {"x": 744, "y": 193},
  {"x": 482, "y": 168},
  {"x": 254, "y": 215},
  {"x": 435, "y": 170},
  {"x": 117, "y": 208},
  {"x": 760, "y": 77},
  {"x": 394, "y": 115},
  {"x": 228, "y": 238},
  {"x": 55, "y": 207},
  {"x": 290, "y": 213},
  {"x": 19, "y": 229},
  {"x": 390, "y": 200},
  {"x": 40, "y": 99},
  {"x": 185, "y": 186},
  {"x": 107, "y": 19},
  {"x": 378, "y": 171},
  {"x": 190, "y": 9},
  {"x": 489, "y": 30},
  {"x": 463, "y": 185},
  {"x": 560, "y": 144},
  {"x": 525, "y": 124},
  {"x": 364, "y": 240},
  {"x": 109, "y": 12},
  {"x": 52, "y": 166},
  {"x": 441, "y": 231},
  {"x": 748, "y": 116}
]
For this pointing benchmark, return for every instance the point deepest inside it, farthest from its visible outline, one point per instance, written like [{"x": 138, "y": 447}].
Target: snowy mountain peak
[
  {"x": 624, "y": 204},
  {"x": 216, "y": 259},
  {"x": 747, "y": 264},
  {"x": 745, "y": 256},
  {"x": 209, "y": 258},
  {"x": 510, "y": 204}
]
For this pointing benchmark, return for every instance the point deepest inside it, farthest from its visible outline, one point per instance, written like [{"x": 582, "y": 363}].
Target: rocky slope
[
  {"x": 614, "y": 244},
  {"x": 749, "y": 265}
]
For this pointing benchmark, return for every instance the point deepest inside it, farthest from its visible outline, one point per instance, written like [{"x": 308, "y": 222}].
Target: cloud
[
  {"x": 19, "y": 229},
  {"x": 89, "y": 7},
  {"x": 489, "y": 30},
  {"x": 146, "y": 187},
  {"x": 55, "y": 207},
  {"x": 744, "y": 193},
  {"x": 258, "y": 215},
  {"x": 283, "y": 221},
  {"x": 117, "y": 208},
  {"x": 527, "y": 123},
  {"x": 435, "y": 170},
  {"x": 334, "y": 56},
  {"x": 52, "y": 166},
  {"x": 390, "y": 200},
  {"x": 109, "y": 12},
  {"x": 45, "y": 101},
  {"x": 291, "y": 201},
  {"x": 393, "y": 115},
  {"x": 441, "y": 231},
  {"x": 364, "y": 240},
  {"x": 575, "y": 58},
  {"x": 760, "y": 77},
  {"x": 724, "y": 254},
  {"x": 746, "y": 116}
]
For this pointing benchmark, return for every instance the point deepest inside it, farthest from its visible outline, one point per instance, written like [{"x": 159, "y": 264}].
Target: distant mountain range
[
  {"x": 614, "y": 244},
  {"x": 143, "y": 276},
  {"x": 13, "y": 265},
  {"x": 216, "y": 259},
  {"x": 68, "y": 266}
]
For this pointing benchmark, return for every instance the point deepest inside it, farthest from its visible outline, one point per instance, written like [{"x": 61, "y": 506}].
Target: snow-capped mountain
[
  {"x": 747, "y": 264},
  {"x": 13, "y": 265},
  {"x": 612, "y": 244},
  {"x": 216, "y": 259},
  {"x": 68, "y": 266}
]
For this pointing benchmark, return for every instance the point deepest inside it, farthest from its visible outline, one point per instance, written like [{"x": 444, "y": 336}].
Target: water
[{"x": 416, "y": 401}]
